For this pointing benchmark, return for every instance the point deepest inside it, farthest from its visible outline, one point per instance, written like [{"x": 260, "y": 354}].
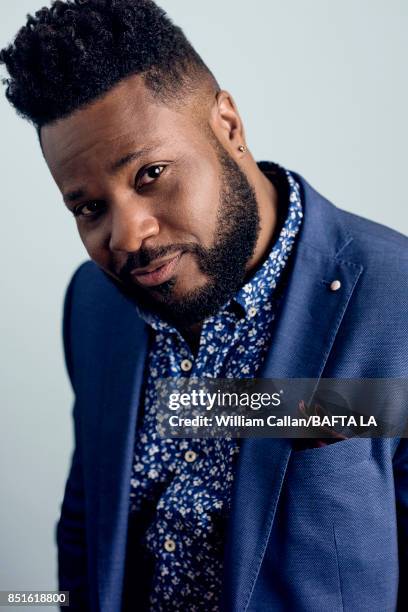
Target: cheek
[
  {"x": 191, "y": 204},
  {"x": 94, "y": 242}
]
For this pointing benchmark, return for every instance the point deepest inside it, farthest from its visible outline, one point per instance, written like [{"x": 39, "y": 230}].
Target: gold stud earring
[{"x": 242, "y": 148}]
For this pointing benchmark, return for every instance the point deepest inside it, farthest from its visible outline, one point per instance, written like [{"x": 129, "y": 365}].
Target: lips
[{"x": 157, "y": 274}]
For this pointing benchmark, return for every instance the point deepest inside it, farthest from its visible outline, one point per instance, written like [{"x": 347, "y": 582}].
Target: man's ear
[{"x": 227, "y": 124}]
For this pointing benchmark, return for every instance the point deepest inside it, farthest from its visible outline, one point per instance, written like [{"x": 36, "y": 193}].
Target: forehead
[{"x": 125, "y": 118}]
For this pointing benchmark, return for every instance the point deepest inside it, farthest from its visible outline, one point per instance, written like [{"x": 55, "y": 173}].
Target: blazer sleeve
[
  {"x": 70, "y": 530},
  {"x": 401, "y": 493}
]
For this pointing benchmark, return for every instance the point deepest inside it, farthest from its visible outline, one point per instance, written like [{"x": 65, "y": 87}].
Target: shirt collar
[{"x": 258, "y": 290}]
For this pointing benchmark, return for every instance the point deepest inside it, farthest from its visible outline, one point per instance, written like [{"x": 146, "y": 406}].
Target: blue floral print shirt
[{"x": 186, "y": 483}]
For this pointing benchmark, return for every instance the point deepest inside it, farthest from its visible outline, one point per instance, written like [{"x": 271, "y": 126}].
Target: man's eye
[
  {"x": 150, "y": 175},
  {"x": 91, "y": 209}
]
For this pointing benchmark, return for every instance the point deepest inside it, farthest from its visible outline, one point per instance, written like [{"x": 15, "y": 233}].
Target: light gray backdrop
[{"x": 322, "y": 89}]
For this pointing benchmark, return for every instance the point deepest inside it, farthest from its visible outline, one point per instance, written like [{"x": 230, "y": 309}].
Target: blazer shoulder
[
  {"x": 348, "y": 236},
  {"x": 371, "y": 244},
  {"x": 69, "y": 299},
  {"x": 92, "y": 304},
  {"x": 383, "y": 253},
  {"x": 373, "y": 236},
  {"x": 85, "y": 272},
  {"x": 83, "y": 310},
  {"x": 88, "y": 286}
]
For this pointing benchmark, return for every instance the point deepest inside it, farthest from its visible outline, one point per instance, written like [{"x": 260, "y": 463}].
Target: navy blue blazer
[{"x": 310, "y": 530}]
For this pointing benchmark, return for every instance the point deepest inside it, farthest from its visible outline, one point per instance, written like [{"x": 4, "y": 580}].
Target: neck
[{"x": 267, "y": 198}]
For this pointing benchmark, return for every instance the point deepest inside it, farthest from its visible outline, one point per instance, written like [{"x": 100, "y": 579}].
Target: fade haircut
[{"x": 70, "y": 54}]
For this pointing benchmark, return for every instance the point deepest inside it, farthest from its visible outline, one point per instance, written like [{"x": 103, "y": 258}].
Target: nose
[{"x": 130, "y": 226}]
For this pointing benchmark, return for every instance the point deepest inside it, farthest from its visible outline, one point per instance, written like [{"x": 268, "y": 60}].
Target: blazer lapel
[
  {"x": 125, "y": 367},
  {"x": 304, "y": 333}
]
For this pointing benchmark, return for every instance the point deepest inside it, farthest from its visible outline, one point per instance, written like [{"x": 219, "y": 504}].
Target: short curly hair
[{"x": 70, "y": 54}]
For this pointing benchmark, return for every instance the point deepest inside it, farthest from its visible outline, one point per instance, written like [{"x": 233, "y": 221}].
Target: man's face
[{"x": 159, "y": 205}]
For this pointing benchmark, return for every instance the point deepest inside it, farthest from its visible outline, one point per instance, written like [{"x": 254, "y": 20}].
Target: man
[{"x": 206, "y": 263}]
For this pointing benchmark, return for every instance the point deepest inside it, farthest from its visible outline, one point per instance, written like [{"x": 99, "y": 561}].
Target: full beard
[{"x": 224, "y": 264}]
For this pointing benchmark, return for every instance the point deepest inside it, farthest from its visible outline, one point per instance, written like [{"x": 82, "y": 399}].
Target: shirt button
[
  {"x": 190, "y": 456},
  {"x": 169, "y": 545},
  {"x": 186, "y": 365},
  {"x": 252, "y": 312},
  {"x": 335, "y": 285}
]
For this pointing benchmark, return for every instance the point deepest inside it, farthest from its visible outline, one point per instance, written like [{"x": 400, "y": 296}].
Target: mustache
[{"x": 143, "y": 257}]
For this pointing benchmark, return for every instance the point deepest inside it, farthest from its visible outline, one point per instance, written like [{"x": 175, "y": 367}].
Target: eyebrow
[
  {"x": 125, "y": 160},
  {"x": 72, "y": 196}
]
